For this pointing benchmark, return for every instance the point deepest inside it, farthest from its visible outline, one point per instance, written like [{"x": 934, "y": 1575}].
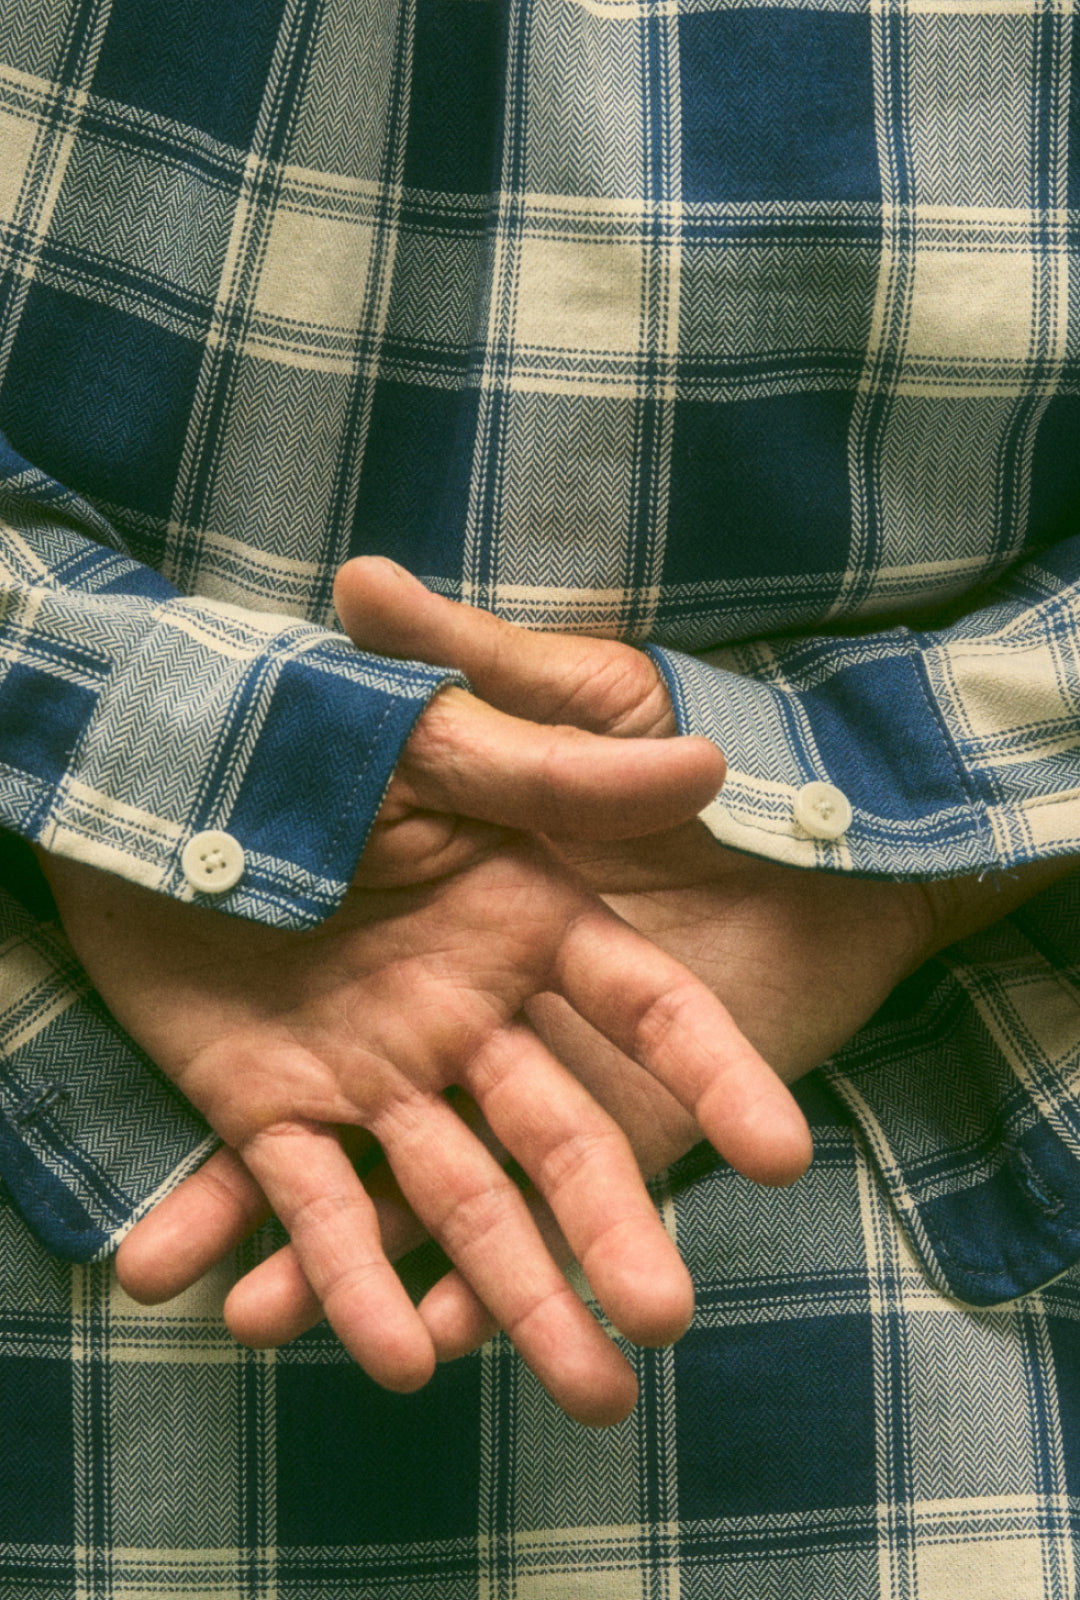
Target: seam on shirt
[
  {"x": 55, "y": 810},
  {"x": 948, "y": 1256},
  {"x": 978, "y": 806},
  {"x": 348, "y": 807},
  {"x": 1045, "y": 1196}
]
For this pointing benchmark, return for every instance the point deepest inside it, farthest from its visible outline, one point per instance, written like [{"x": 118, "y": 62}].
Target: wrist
[{"x": 948, "y": 909}]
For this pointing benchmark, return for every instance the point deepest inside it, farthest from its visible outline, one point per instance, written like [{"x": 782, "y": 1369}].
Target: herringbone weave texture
[{"x": 748, "y": 333}]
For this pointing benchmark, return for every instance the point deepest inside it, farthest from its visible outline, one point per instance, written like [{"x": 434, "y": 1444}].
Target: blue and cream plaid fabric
[
  {"x": 831, "y": 1428},
  {"x": 749, "y": 333}
]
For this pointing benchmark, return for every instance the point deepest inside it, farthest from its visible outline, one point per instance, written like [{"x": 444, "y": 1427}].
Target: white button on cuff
[
  {"x": 822, "y": 810},
  {"x": 213, "y": 862}
]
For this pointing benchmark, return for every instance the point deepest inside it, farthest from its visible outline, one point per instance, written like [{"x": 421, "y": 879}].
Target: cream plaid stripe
[
  {"x": 830, "y": 1427},
  {"x": 719, "y": 327}
]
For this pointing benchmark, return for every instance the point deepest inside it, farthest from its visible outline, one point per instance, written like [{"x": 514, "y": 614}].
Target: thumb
[
  {"x": 597, "y": 684},
  {"x": 467, "y": 758}
]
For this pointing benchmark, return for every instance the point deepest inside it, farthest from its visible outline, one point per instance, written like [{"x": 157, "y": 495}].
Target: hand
[
  {"x": 801, "y": 960},
  {"x": 281, "y": 1038}
]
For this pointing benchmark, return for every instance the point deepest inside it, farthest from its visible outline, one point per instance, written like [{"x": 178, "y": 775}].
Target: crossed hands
[{"x": 471, "y": 952}]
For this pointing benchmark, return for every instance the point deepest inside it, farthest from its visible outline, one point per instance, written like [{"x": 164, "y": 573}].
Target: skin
[
  {"x": 760, "y": 936},
  {"x": 291, "y": 1043}
]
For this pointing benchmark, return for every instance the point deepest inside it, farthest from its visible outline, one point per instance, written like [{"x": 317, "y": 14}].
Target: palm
[
  {"x": 397, "y": 993},
  {"x": 282, "y": 1038},
  {"x": 800, "y": 959}
]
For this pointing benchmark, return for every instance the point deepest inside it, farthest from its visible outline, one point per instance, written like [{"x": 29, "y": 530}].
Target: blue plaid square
[
  {"x": 37, "y": 1498},
  {"x": 358, "y": 1465},
  {"x": 204, "y": 62},
  {"x": 414, "y": 489},
  {"x": 798, "y": 486},
  {"x": 358, "y": 736},
  {"x": 454, "y": 101},
  {"x": 43, "y": 715},
  {"x": 102, "y": 398},
  {"x": 898, "y": 765},
  {"x": 798, "y": 1391},
  {"x": 777, "y": 104},
  {"x": 1055, "y": 472},
  {"x": 1063, "y": 1331}
]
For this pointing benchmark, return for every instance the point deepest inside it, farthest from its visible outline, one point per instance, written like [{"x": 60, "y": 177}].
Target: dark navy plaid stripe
[
  {"x": 884, "y": 1443},
  {"x": 745, "y": 331}
]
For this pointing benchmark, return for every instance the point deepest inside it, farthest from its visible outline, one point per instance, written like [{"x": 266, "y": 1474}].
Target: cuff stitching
[
  {"x": 347, "y": 808},
  {"x": 978, "y": 806}
]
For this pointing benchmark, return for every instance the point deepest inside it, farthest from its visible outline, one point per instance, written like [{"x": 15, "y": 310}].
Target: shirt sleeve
[
  {"x": 133, "y": 719},
  {"x": 91, "y": 1133},
  {"x": 958, "y": 750}
]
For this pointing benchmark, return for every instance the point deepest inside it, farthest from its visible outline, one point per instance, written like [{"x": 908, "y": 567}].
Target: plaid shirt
[{"x": 747, "y": 333}]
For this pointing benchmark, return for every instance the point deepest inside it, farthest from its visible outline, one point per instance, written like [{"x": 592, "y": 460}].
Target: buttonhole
[{"x": 47, "y": 1098}]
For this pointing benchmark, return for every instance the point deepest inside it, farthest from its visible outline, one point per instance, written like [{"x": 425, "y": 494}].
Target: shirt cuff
[
  {"x": 135, "y": 720},
  {"x": 966, "y": 1089},
  {"x": 958, "y": 753},
  {"x": 956, "y": 750}
]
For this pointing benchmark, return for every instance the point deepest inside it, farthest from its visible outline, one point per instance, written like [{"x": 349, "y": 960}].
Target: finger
[
  {"x": 598, "y": 684},
  {"x": 205, "y": 1217},
  {"x": 464, "y": 756},
  {"x": 456, "y": 1318},
  {"x": 467, "y": 1202},
  {"x": 332, "y": 1224},
  {"x": 657, "y": 1012},
  {"x": 582, "y": 1163},
  {"x": 660, "y": 1131},
  {"x": 460, "y": 1324},
  {"x": 273, "y": 1303}
]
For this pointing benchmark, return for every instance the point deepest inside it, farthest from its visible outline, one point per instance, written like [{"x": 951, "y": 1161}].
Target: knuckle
[
  {"x": 472, "y": 1220},
  {"x": 621, "y": 1236},
  {"x": 351, "y": 1282},
  {"x": 621, "y": 694},
  {"x": 663, "y": 1021},
  {"x": 539, "y": 1306},
  {"x": 403, "y": 1117},
  {"x": 571, "y": 1157},
  {"x": 317, "y": 1212}
]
